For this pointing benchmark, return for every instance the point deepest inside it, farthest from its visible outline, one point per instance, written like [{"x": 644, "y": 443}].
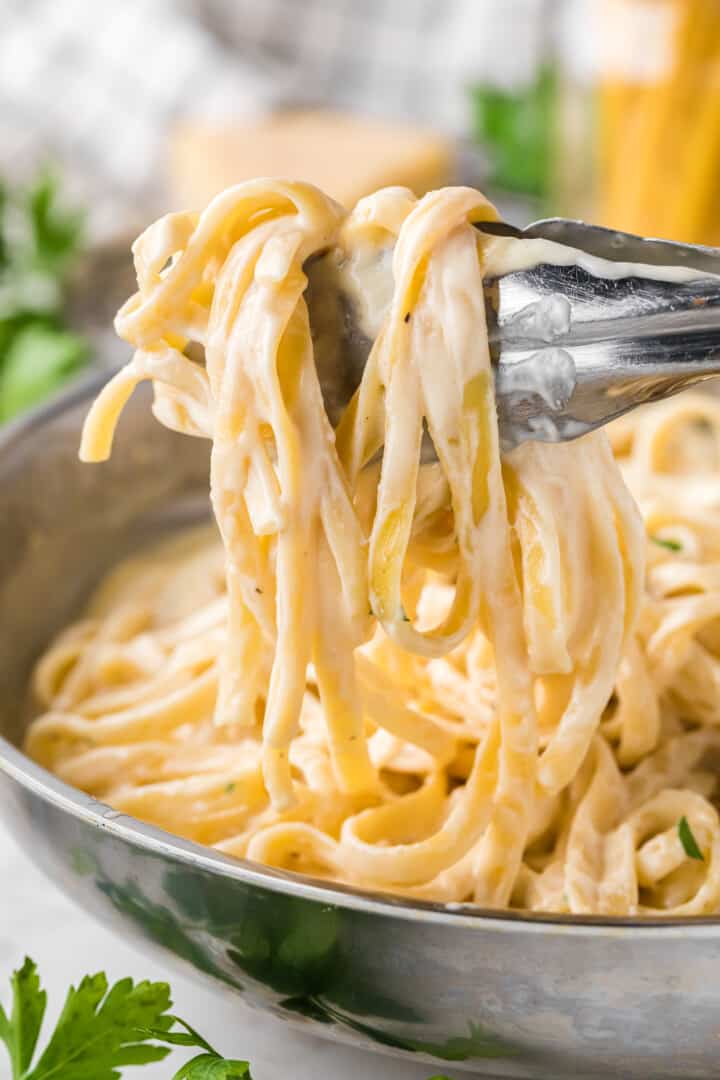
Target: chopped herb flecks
[
  {"x": 669, "y": 545},
  {"x": 688, "y": 841}
]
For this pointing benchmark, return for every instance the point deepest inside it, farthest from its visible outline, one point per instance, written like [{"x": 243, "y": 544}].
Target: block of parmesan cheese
[{"x": 348, "y": 156}]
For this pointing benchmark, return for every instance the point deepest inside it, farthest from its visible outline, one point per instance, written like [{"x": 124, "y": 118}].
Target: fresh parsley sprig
[
  {"x": 40, "y": 240},
  {"x": 103, "y": 1029}
]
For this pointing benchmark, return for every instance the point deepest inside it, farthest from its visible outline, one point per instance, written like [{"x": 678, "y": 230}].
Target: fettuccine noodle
[{"x": 452, "y": 681}]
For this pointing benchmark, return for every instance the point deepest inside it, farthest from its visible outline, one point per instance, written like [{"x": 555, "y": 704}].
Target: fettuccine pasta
[{"x": 452, "y": 681}]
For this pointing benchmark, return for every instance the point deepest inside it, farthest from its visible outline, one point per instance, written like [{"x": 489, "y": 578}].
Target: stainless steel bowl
[{"x": 503, "y": 995}]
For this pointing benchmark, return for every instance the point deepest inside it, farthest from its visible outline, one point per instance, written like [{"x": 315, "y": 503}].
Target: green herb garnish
[
  {"x": 688, "y": 841},
  {"x": 39, "y": 242},
  {"x": 515, "y": 128},
  {"x": 229, "y": 788},
  {"x": 669, "y": 545},
  {"x": 101, "y": 1030},
  {"x": 37, "y": 361}
]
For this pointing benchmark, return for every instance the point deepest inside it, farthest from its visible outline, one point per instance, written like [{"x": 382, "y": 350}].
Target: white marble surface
[{"x": 37, "y": 919}]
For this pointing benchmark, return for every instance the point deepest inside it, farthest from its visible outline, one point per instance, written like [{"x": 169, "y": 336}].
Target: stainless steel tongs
[{"x": 574, "y": 345}]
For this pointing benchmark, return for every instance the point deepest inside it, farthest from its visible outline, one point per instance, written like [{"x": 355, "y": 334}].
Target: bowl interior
[{"x": 65, "y": 523}]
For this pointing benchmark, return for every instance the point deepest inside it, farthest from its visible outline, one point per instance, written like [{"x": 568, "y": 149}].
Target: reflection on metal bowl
[{"x": 501, "y": 995}]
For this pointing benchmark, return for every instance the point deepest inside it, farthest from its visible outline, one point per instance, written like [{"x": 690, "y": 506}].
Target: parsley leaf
[
  {"x": 98, "y": 1030},
  {"x": 206, "y": 1066},
  {"x": 211, "y": 1067},
  {"x": 95, "y": 1034},
  {"x": 55, "y": 232},
  {"x": 101, "y": 1030},
  {"x": 39, "y": 241},
  {"x": 38, "y": 360},
  {"x": 20, "y": 1030},
  {"x": 688, "y": 841},
  {"x": 669, "y": 545}
]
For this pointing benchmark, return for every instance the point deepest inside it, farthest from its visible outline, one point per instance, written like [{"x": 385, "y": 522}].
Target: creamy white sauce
[
  {"x": 507, "y": 255},
  {"x": 544, "y": 320},
  {"x": 548, "y": 373}
]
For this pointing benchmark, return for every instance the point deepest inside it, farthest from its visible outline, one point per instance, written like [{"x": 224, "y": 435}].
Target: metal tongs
[{"x": 574, "y": 344}]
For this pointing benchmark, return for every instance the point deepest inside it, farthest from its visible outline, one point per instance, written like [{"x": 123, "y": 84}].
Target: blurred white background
[{"x": 97, "y": 87}]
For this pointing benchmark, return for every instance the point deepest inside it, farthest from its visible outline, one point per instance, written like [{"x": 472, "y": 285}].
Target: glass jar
[{"x": 638, "y": 117}]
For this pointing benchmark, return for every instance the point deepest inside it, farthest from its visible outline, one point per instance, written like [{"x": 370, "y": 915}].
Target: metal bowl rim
[{"x": 38, "y": 781}]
